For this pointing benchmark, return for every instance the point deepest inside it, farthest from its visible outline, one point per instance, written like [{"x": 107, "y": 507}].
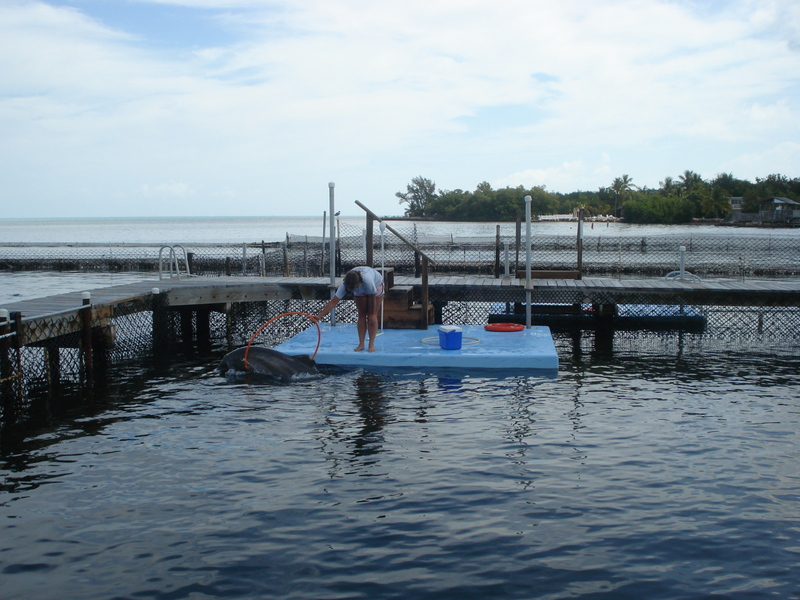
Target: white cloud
[
  {"x": 782, "y": 158},
  {"x": 372, "y": 94}
]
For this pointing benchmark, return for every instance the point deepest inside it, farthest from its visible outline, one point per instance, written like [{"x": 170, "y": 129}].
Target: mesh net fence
[
  {"x": 37, "y": 376},
  {"x": 728, "y": 254}
]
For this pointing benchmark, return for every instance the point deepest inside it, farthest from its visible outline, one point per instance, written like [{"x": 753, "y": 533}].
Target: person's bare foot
[
  {"x": 371, "y": 350},
  {"x": 359, "y": 348}
]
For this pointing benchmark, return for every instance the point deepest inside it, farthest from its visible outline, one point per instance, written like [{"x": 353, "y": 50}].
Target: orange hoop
[
  {"x": 275, "y": 318},
  {"x": 504, "y": 327}
]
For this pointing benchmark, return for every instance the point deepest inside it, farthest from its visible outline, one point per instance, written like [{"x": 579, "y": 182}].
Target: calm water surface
[
  {"x": 237, "y": 230},
  {"x": 662, "y": 469},
  {"x": 658, "y": 472}
]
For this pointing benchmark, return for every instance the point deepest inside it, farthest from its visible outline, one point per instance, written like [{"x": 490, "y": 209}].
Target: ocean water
[
  {"x": 659, "y": 466},
  {"x": 15, "y": 286},
  {"x": 656, "y": 472},
  {"x": 237, "y": 230}
]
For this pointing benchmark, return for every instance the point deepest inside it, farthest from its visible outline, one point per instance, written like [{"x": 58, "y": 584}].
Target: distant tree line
[{"x": 675, "y": 201}]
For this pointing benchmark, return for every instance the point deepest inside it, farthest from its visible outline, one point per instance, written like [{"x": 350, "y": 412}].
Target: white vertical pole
[
  {"x": 383, "y": 267},
  {"x": 528, "y": 261},
  {"x": 682, "y": 250},
  {"x": 332, "y": 248}
]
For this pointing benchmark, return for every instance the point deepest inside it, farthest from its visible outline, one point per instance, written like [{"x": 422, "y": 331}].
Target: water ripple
[{"x": 638, "y": 480}]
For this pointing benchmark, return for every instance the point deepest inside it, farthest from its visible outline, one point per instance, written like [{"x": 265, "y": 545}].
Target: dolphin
[{"x": 266, "y": 361}]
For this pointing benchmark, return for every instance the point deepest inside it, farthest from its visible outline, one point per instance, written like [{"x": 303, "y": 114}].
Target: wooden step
[
  {"x": 406, "y": 318},
  {"x": 400, "y": 297},
  {"x": 388, "y": 277}
]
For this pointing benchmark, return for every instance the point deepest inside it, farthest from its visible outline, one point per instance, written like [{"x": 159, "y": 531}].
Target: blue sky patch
[{"x": 159, "y": 25}]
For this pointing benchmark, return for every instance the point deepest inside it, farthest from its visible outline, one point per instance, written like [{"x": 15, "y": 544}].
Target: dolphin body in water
[{"x": 266, "y": 362}]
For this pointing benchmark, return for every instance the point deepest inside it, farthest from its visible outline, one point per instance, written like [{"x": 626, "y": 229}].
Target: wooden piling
[{"x": 86, "y": 347}]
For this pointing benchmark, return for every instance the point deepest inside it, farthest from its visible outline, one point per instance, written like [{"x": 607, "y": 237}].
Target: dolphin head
[{"x": 266, "y": 362}]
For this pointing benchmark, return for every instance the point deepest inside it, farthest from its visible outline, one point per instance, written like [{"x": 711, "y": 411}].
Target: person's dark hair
[{"x": 352, "y": 280}]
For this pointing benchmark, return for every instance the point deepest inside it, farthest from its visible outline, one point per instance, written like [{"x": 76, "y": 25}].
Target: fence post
[
  {"x": 369, "y": 241},
  {"x": 528, "y": 261},
  {"x": 518, "y": 240},
  {"x": 286, "y": 269},
  {"x": 160, "y": 319},
  {"x": 580, "y": 243},
  {"x": 6, "y": 370},
  {"x": 425, "y": 295},
  {"x": 86, "y": 345},
  {"x": 305, "y": 259},
  {"x": 203, "y": 316},
  {"x": 497, "y": 252}
]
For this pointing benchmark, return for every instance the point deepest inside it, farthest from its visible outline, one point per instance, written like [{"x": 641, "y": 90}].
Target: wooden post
[
  {"x": 497, "y": 252},
  {"x": 425, "y": 296},
  {"x": 160, "y": 323},
  {"x": 519, "y": 240},
  {"x": 369, "y": 241},
  {"x": 53, "y": 366},
  {"x": 6, "y": 370},
  {"x": 580, "y": 243},
  {"x": 187, "y": 327},
  {"x": 203, "y": 316},
  {"x": 86, "y": 346},
  {"x": 286, "y": 267}
]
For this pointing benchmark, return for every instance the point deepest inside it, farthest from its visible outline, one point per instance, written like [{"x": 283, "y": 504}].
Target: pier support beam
[
  {"x": 86, "y": 347},
  {"x": 160, "y": 319},
  {"x": 203, "y": 319},
  {"x": 6, "y": 370}
]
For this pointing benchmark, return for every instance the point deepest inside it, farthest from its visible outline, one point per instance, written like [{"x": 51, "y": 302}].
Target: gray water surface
[{"x": 653, "y": 475}]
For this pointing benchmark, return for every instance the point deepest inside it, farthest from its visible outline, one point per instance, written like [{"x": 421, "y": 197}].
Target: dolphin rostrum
[{"x": 266, "y": 361}]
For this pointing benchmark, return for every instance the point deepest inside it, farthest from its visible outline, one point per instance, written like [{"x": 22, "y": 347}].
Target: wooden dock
[
  {"x": 222, "y": 290},
  {"x": 218, "y": 293}
]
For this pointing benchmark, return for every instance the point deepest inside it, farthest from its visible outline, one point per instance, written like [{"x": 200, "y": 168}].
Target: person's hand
[{"x": 314, "y": 318}]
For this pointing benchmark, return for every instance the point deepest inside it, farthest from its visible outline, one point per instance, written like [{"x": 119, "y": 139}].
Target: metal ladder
[{"x": 172, "y": 261}]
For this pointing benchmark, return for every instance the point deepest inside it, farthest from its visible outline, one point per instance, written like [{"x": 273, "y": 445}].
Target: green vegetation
[{"x": 675, "y": 201}]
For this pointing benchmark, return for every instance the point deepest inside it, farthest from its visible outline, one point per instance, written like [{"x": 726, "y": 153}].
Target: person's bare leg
[
  {"x": 373, "y": 323},
  {"x": 361, "y": 306}
]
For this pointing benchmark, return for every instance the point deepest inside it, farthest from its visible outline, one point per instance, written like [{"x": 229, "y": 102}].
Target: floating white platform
[{"x": 526, "y": 350}]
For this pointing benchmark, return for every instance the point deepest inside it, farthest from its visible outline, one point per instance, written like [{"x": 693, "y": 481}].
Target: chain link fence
[
  {"x": 723, "y": 255},
  {"x": 46, "y": 378}
]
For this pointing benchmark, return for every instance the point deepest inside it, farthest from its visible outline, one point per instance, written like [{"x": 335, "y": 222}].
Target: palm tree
[
  {"x": 689, "y": 180},
  {"x": 669, "y": 187},
  {"x": 716, "y": 204},
  {"x": 621, "y": 188}
]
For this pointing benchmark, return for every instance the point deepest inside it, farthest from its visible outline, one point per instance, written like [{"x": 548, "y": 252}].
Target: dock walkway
[
  {"x": 217, "y": 290},
  {"x": 217, "y": 293}
]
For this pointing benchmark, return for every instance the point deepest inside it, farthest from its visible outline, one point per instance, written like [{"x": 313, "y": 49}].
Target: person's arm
[{"x": 328, "y": 308}]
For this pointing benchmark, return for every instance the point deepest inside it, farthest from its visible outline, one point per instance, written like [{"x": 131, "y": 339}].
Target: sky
[{"x": 138, "y": 108}]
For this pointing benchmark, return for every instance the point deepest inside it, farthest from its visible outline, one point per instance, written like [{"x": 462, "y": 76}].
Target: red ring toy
[
  {"x": 275, "y": 318},
  {"x": 504, "y": 327}
]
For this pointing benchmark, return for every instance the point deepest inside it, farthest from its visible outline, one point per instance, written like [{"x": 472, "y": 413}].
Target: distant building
[
  {"x": 780, "y": 210},
  {"x": 775, "y": 210}
]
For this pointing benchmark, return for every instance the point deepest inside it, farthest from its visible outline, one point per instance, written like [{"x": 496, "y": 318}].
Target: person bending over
[{"x": 366, "y": 285}]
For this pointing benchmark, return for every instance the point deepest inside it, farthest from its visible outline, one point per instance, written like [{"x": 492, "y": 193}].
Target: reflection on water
[{"x": 658, "y": 472}]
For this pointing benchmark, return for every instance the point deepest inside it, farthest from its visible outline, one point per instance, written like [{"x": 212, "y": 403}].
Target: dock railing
[{"x": 426, "y": 261}]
